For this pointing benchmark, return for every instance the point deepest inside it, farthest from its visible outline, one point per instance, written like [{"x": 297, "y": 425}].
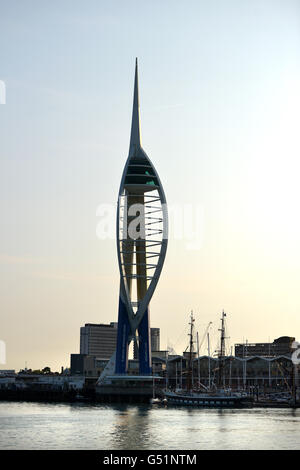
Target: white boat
[{"x": 155, "y": 401}]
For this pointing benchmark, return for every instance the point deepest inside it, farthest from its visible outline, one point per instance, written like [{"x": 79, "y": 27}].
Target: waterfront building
[
  {"x": 280, "y": 346},
  {"x": 91, "y": 366},
  {"x": 7, "y": 372},
  {"x": 99, "y": 340},
  {"x": 255, "y": 371},
  {"x": 37, "y": 382},
  {"x": 82, "y": 364}
]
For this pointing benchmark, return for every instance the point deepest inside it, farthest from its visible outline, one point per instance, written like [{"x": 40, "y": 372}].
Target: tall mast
[
  {"x": 222, "y": 351},
  {"x": 198, "y": 360},
  {"x": 190, "y": 367},
  {"x": 208, "y": 352}
]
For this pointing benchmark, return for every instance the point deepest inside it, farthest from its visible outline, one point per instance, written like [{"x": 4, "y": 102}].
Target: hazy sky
[{"x": 220, "y": 100}]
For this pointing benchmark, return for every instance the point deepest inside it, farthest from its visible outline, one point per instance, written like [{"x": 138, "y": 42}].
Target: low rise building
[{"x": 280, "y": 346}]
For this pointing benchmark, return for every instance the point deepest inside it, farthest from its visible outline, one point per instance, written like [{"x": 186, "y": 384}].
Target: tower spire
[{"x": 135, "y": 137}]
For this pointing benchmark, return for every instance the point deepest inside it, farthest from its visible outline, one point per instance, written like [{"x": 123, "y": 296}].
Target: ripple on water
[{"x": 84, "y": 426}]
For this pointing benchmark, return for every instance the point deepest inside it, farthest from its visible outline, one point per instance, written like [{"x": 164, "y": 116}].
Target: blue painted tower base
[
  {"x": 122, "y": 339},
  {"x": 144, "y": 345},
  {"x": 124, "y": 332}
]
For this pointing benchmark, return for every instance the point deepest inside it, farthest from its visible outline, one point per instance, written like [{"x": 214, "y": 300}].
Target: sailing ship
[{"x": 220, "y": 397}]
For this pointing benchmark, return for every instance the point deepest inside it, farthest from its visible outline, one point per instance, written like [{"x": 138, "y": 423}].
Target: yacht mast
[
  {"x": 190, "y": 366},
  {"x": 222, "y": 351}
]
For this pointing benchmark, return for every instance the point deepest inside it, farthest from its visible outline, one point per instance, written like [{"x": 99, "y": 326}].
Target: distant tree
[{"x": 46, "y": 370}]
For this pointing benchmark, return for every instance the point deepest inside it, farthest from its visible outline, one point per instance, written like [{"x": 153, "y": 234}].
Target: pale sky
[{"x": 220, "y": 100}]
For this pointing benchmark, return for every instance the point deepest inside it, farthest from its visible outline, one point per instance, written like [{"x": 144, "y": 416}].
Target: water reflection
[
  {"x": 131, "y": 429},
  {"x": 126, "y": 425}
]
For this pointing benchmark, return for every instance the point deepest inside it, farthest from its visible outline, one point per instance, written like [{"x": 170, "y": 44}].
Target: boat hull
[{"x": 209, "y": 401}]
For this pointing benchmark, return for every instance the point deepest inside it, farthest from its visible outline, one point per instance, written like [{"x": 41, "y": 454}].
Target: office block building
[{"x": 98, "y": 340}]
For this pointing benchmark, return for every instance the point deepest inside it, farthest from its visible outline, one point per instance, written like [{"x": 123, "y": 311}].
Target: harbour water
[{"x": 101, "y": 427}]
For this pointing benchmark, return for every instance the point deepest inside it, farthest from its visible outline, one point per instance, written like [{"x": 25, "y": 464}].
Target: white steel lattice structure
[{"x": 141, "y": 245}]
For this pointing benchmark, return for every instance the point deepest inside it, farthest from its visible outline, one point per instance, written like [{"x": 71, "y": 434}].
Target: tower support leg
[
  {"x": 144, "y": 345},
  {"x": 122, "y": 340}
]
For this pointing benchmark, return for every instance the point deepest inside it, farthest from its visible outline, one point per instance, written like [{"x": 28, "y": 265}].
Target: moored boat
[
  {"x": 209, "y": 400},
  {"x": 220, "y": 397}
]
